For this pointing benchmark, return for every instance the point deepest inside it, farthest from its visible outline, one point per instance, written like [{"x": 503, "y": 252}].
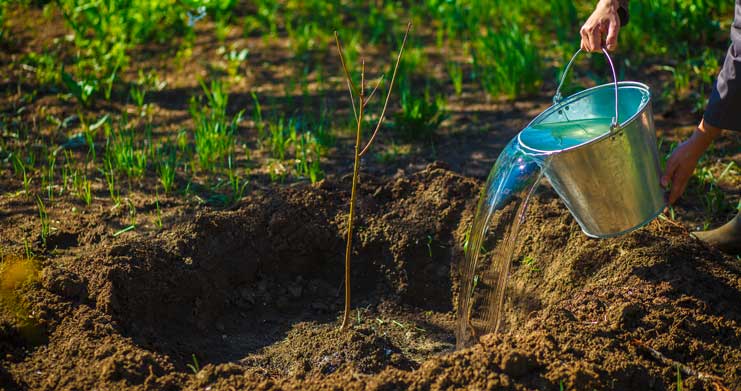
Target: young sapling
[{"x": 358, "y": 111}]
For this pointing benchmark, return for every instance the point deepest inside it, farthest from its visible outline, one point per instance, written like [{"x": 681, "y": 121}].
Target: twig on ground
[{"x": 687, "y": 371}]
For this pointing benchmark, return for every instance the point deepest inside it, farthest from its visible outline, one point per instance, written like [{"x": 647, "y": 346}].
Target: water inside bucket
[
  {"x": 501, "y": 210},
  {"x": 556, "y": 136}
]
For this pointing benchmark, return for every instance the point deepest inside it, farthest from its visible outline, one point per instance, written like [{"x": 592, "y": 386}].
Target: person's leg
[{"x": 726, "y": 238}]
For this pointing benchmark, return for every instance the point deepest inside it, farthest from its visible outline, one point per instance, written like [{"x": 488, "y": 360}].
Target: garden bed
[{"x": 249, "y": 298}]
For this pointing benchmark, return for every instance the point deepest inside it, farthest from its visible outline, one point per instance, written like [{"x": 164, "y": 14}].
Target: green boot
[{"x": 726, "y": 238}]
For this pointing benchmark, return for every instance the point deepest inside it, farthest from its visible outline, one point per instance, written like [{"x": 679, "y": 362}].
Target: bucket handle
[{"x": 557, "y": 98}]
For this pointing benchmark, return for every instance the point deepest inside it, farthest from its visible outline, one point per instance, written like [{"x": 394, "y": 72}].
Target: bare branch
[
  {"x": 388, "y": 95},
  {"x": 362, "y": 76},
  {"x": 348, "y": 79},
  {"x": 378, "y": 83}
]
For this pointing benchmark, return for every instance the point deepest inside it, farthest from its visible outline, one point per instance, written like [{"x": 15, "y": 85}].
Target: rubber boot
[{"x": 726, "y": 238}]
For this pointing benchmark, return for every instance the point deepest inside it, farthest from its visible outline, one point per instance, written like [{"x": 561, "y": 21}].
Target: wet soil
[{"x": 249, "y": 298}]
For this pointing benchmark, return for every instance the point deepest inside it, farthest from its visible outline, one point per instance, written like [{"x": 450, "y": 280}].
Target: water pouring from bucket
[{"x": 598, "y": 150}]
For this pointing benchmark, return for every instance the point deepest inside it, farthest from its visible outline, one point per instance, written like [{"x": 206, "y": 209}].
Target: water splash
[{"x": 500, "y": 212}]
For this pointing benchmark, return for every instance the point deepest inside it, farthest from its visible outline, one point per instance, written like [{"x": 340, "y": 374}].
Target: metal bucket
[{"x": 609, "y": 183}]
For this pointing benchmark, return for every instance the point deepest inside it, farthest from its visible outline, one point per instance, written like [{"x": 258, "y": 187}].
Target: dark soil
[{"x": 250, "y": 298}]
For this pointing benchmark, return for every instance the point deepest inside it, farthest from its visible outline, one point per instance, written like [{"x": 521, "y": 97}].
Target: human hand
[
  {"x": 683, "y": 160},
  {"x": 603, "y": 21}
]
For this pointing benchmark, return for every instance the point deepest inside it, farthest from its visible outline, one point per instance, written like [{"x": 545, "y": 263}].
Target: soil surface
[{"x": 249, "y": 298}]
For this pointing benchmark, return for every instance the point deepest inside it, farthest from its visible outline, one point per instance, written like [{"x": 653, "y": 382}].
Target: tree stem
[{"x": 348, "y": 248}]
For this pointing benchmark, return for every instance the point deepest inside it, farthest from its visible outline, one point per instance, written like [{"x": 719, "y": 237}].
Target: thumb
[{"x": 612, "y": 34}]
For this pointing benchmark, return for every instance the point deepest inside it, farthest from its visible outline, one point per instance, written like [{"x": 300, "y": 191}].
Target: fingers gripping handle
[{"x": 557, "y": 98}]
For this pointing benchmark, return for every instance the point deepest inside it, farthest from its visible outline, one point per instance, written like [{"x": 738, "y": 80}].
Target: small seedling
[
  {"x": 158, "y": 220},
  {"x": 194, "y": 366},
  {"x": 679, "y": 379},
  {"x": 44, "y": 220}
]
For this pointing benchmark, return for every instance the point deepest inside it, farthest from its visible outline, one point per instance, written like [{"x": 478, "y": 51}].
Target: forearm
[{"x": 705, "y": 134}]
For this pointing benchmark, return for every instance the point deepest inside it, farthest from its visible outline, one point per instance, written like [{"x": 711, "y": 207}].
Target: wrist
[
  {"x": 708, "y": 131},
  {"x": 610, "y": 4},
  {"x": 701, "y": 140}
]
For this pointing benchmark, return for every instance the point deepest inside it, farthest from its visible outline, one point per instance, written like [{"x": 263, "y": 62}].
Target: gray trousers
[{"x": 724, "y": 108}]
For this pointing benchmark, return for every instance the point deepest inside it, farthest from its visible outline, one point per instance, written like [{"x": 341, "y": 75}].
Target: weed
[
  {"x": 307, "y": 157},
  {"x": 166, "y": 170},
  {"x": 124, "y": 230},
  {"x": 110, "y": 178},
  {"x": 679, "y": 380},
  {"x": 234, "y": 60},
  {"x": 236, "y": 184},
  {"x": 43, "y": 220},
  {"x": 82, "y": 187},
  {"x": 506, "y": 62},
  {"x": 420, "y": 115},
  {"x": 392, "y": 152},
  {"x": 257, "y": 117},
  {"x": 52, "y": 160},
  {"x": 122, "y": 149},
  {"x": 82, "y": 90},
  {"x": 138, "y": 93},
  {"x": 528, "y": 262},
  {"x": 194, "y": 366},
  {"x": 158, "y": 219},
  {"x": 455, "y": 72},
  {"x": 214, "y": 134}
]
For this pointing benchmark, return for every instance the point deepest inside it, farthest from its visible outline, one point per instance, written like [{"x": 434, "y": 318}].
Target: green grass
[
  {"x": 214, "y": 133},
  {"x": 420, "y": 115},
  {"x": 463, "y": 46},
  {"x": 506, "y": 62},
  {"x": 43, "y": 220}
]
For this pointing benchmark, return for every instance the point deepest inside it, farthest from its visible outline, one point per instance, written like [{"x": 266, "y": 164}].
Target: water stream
[{"x": 500, "y": 212}]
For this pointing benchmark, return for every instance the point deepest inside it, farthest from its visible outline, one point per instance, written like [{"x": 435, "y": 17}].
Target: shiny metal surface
[{"x": 611, "y": 183}]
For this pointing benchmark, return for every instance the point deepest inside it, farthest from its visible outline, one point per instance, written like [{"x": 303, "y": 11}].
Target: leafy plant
[{"x": 82, "y": 90}]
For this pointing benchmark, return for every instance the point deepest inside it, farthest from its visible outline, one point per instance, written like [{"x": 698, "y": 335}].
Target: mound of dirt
[{"x": 249, "y": 298}]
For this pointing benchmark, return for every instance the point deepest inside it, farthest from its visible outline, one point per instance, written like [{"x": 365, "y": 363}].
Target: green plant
[
  {"x": 358, "y": 111},
  {"x": 420, "y": 115},
  {"x": 234, "y": 60},
  {"x": 308, "y": 157},
  {"x": 456, "y": 76},
  {"x": 138, "y": 93},
  {"x": 82, "y": 90},
  {"x": 52, "y": 160},
  {"x": 124, "y": 230},
  {"x": 392, "y": 152},
  {"x": 20, "y": 168},
  {"x": 679, "y": 380},
  {"x": 158, "y": 219},
  {"x": 214, "y": 134},
  {"x": 528, "y": 262},
  {"x": 236, "y": 184},
  {"x": 279, "y": 137},
  {"x": 110, "y": 178},
  {"x": 127, "y": 154},
  {"x": 507, "y": 62},
  {"x": 194, "y": 366},
  {"x": 167, "y": 165},
  {"x": 43, "y": 220},
  {"x": 82, "y": 187}
]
